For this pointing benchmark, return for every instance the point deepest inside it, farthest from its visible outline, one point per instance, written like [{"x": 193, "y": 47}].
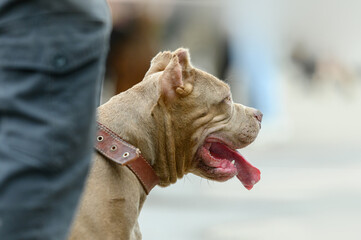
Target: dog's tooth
[{"x": 233, "y": 161}]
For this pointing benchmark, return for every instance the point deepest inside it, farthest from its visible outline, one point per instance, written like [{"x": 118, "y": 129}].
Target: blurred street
[{"x": 310, "y": 186}]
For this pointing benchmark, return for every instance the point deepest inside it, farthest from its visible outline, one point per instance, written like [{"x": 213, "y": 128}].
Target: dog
[{"x": 183, "y": 120}]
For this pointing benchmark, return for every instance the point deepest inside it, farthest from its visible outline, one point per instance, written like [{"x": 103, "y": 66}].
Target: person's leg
[{"x": 51, "y": 66}]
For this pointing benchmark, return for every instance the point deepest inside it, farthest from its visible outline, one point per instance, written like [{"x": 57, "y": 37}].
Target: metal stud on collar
[
  {"x": 126, "y": 154},
  {"x": 113, "y": 148},
  {"x": 100, "y": 138}
]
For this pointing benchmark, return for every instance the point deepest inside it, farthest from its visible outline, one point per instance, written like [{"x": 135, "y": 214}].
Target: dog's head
[{"x": 203, "y": 124}]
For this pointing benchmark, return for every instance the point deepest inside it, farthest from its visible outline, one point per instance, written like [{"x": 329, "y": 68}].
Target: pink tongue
[{"x": 247, "y": 174}]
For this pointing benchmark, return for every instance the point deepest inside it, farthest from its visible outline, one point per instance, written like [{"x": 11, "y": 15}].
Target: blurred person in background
[
  {"x": 52, "y": 57},
  {"x": 254, "y": 38}
]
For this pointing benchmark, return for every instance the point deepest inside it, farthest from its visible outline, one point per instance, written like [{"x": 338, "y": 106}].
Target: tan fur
[{"x": 167, "y": 116}]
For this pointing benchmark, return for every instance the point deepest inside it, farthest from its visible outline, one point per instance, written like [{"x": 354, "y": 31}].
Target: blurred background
[{"x": 299, "y": 62}]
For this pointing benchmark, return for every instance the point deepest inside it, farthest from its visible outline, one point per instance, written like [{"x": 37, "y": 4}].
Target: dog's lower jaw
[{"x": 109, "y": 210}]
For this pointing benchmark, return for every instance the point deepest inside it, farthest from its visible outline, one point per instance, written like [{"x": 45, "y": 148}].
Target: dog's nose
[{"x": 258, "y": 115}]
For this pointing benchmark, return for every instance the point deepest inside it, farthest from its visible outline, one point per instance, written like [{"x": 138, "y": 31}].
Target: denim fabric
[{"x": 52, "y": 56}]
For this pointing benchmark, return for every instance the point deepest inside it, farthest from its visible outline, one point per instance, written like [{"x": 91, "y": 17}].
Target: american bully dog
[{"x": 178, "y": 120}]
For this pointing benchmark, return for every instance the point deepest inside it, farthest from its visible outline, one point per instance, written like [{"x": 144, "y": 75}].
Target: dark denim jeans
[{"x": 52, "y": 56}]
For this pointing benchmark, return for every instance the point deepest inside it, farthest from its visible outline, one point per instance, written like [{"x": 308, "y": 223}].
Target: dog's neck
[{"x": 145, "y": 123}]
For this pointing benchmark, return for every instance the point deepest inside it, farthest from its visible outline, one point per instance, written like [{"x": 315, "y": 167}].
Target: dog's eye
[{"x": 227, "y": 99}]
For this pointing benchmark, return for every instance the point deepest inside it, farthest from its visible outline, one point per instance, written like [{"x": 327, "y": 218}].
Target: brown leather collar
[{"x": 116, "y": 149}]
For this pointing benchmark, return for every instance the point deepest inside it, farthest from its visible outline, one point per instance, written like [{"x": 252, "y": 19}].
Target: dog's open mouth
[{"x": 217, "y": 161}]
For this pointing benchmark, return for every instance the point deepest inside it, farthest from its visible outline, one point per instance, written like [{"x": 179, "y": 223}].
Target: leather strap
[{"x": 111, "y": 146}]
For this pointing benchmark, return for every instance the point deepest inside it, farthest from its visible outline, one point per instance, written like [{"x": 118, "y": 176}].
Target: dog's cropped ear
[
  {"x": 172, "y": 81},
  {"x": 184, "y": 58},
  {"x": 159, "y": 62}
]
